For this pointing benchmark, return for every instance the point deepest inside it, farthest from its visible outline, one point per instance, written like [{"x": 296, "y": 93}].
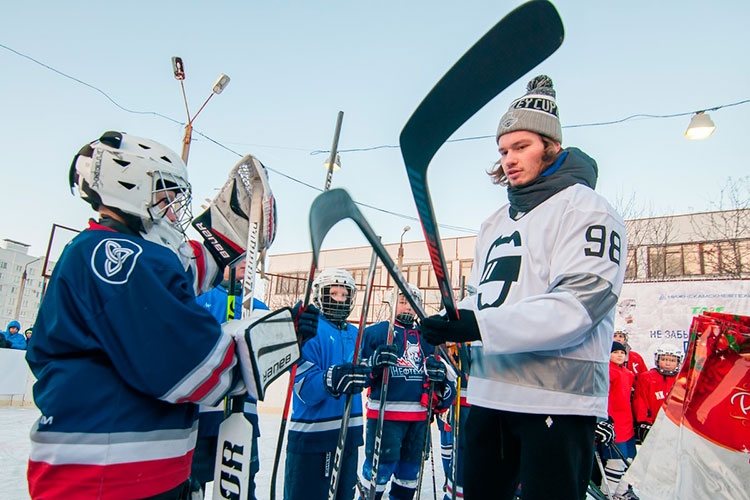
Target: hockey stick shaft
[
  {"x": 384, "y": 390},
  {"x": 334, "y": 485},
  {"x": 426, "y": 439},
  {"x": 457, "y": 410},
  {"x": 334, "y": 150},
  {"x": 308, "y": 293},
  {"x": 520, "y": 41}
]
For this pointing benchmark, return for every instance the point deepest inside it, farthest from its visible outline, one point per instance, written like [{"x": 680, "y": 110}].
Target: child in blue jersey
[
  {"x": 412, "y": 367},
  {"x": 122, "y": 353},
  {"x": 324, "y": 374},
  {"x": 216, "y": 301}
]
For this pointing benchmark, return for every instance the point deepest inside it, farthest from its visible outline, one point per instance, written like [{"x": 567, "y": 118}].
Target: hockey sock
[{"x": 614, "y": 469}]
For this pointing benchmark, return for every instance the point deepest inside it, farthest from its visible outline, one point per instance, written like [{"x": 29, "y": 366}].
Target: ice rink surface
[{"x": 15, "y": 423}]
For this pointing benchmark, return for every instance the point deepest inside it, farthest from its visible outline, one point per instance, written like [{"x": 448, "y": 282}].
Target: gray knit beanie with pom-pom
[{"x": 536, "y": 111}]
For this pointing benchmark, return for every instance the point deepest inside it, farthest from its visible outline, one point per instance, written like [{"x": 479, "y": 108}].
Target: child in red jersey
[{"x": 652, "y": 387}]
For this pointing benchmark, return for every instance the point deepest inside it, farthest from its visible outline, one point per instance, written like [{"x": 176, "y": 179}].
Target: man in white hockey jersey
[{"x": 548, "y": 269}]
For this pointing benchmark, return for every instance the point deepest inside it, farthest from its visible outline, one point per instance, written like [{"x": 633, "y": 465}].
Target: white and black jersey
[{"x": 547, "y": 285}]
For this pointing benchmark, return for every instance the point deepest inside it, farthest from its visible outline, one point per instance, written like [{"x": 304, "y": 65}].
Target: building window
[
  {"x": 19, "y": 268},
  {"x": 424, "y": 276},
  {"x": 673, "y": 260},
  {"x": 3, "y": 264},
  {"x": 691, "y": 259},
  {"x": 710, "y": 252},
  {"x": 631, "y": 267},
  {"x": 744, "y": 256},
  {"x": 656, "y": 263},
  {"x": 728, "y": 256}
]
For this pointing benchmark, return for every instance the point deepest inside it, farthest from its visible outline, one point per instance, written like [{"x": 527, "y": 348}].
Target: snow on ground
[{"x": 16, "y": 422}]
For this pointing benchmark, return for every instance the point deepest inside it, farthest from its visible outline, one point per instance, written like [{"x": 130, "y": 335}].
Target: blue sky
[{"x": 295, "y": 64}]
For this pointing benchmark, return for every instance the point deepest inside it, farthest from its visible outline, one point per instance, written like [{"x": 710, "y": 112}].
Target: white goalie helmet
[
  {"x": 137, "y": 177},
  {"x": 332, "y": 309},
  {"x": 670, "y": 350},
  {"x": 408, "y": 318}
]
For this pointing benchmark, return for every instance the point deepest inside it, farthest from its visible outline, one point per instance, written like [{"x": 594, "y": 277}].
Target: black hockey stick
[
  {"x": 308, "y": 292},
  {"x": 335, "y": 205},
  {"x": 520, "y": 41},
  {"x": 344, "y": 429}
]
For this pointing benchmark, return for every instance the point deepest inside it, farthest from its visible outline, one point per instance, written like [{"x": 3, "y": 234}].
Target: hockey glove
[
  {"x": 305, "y": 322},
  {"x": 225, "y": 223},
  {"x": 384, "y": 355},
  {"x": 346, "y": 378},
  {"x": 641, "y": 431},
  {"x": 437, "y": 329},
  {"x": 435, "y": 369},
  {"x": 604, "y": 433}
]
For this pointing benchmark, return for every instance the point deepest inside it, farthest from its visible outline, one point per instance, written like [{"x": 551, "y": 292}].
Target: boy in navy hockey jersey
[
  {"x": 324, "y": 374},
  {"x": 412, "y": 366},
  {"x": 121, "y": 350}
]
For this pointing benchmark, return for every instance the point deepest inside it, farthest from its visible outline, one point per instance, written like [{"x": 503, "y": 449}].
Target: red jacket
[
  {"x": 619, "y": 407},
  {"x": 651, "y": 388},
  {"x": 635, "y": 363}
]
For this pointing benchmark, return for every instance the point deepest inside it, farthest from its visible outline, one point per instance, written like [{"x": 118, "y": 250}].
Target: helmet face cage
[
  {"x": 408, "y": 318},
  {"x": 171, "y": 195},
  {"x": 331, "y": 308},
  {"x": 668, "y": 350},
  {"x": 624, "y": 333}
]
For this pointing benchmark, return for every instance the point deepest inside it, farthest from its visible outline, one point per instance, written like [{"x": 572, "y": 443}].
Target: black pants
[
  {"x": 307, "y": 476},
  {"x": 550, "y": 456}
]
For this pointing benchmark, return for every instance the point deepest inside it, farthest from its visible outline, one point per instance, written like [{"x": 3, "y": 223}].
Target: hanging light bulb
[
  {"x": 336, "y": 163},
  {"x": 700, "y": 126}
]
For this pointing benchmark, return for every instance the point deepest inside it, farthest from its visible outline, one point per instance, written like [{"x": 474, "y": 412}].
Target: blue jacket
[
  {"x": 316, "y": 415},
  {"x": 121, "y": 351},
  {"x": 407, "y": 381},
  {"x": 17, "y": 340}
]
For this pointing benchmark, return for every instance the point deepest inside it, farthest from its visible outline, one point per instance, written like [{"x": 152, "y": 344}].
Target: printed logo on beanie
[
  {"x": 509, "y": 121},
  {"x": 536, "y": 103}
]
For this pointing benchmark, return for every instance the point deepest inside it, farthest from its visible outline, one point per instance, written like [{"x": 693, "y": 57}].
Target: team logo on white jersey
[
  {"x": 499, "y": 273},
  {"x": 114, "y": 259}
]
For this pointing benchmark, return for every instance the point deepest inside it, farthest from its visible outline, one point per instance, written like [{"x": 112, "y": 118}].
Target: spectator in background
[
  {"x": 633, "y": 361},
  {"x": 16, "y": 340},
  {"x": 27, "y": 333}
]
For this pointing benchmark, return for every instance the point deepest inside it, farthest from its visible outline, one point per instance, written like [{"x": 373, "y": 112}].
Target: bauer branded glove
[
  {"x": 604, "y": 433},
  {"x": 437, "y": 329},
  {"x": 641, "y": 431},
  {"x": 225, "y": 224},
  {"x": 435, "y": 370},
  {"x": 305, "y": 321},
  {"x": 346, "y": 378},
  {"x": 384, "y": 355}
]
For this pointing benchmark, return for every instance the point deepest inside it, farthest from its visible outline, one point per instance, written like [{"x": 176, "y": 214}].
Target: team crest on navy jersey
[{"x": 114, "y": 259}]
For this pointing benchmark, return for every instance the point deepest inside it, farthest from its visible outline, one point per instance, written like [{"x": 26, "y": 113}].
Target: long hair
[{"x": 549, "y": 156}]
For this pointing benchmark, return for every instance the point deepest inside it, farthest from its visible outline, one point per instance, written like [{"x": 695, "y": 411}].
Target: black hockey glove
[
  {"x": 641, "y": 431},
  {"x": 305, "y": 322},
  {"x": 604, "y": 433},
  {"x": 435, "y": 370},
  {"x": 346, "y": 378},
  {"x": 437, "y": 329},
  {"x": 384, "y": 355}
]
